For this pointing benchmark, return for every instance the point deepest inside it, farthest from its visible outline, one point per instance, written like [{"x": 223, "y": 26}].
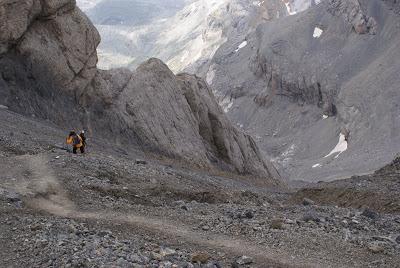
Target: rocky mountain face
[
  {"x": 48, "y": 70},
  {"x": 318, "y": 90},
  {"x": 185, "y": 36}
]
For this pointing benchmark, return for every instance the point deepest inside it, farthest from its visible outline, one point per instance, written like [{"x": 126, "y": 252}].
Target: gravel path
[{"x": 108, "y": 209}]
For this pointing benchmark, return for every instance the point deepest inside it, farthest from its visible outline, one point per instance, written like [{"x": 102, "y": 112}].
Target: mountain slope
[
  {"x": 185, "y": 39},
  {"x": 48, "y": 69},
  {"x": 318, "y": 90}
]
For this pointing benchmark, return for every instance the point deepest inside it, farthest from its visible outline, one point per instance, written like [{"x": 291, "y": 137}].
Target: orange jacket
[{"x": 70, "y": 140}]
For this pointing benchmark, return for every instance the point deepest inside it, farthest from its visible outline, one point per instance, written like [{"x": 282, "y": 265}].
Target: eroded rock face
[
  {"x": 222, "y": 140},
  {"x": 302, "y": 79},
  {"x": 48, "y": 69},
  {"x": 352, "y": 12}
]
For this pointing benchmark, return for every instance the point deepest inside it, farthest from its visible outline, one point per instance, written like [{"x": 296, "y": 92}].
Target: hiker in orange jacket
[{"x": 76, "y": 141}]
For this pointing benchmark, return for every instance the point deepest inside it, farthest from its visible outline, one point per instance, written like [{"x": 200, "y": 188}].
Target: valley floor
[{"x": 106, "y": 209}]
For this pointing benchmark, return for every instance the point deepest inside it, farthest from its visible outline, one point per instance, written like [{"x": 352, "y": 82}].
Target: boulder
[
  {"x": 244, "y": 260},
  {"x": 376, "y": 248},
  {"x": 308, "y": 202},
  {"x": 64, "y": 48},
  {"x": 370, "y": 214},
  {"x": 200, "y": 257}
]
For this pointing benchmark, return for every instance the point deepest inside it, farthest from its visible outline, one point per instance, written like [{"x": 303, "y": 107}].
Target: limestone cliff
[{"x": 48, "y": 69}]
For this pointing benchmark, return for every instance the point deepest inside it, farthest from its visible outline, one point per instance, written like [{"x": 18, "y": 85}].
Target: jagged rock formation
[
  {"x": 48, "y": 69},
  {"x": 305, "y": 81}
]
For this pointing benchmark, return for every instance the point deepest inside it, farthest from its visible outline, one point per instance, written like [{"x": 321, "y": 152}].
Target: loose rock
[
  {"x": 308, "y": 202},
  {"x": 244, "y": 260},
  {"x": 200, "y": 257},
  {"x": 370, "y": 214}
]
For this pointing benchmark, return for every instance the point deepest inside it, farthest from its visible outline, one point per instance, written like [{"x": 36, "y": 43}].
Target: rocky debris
[
  {"x": 249, "y": 214},
  {"x": 398, "y": 239},
  {"x": 393, "y": 167},
  {"x": 311, "y": 216},
  {"x": 375, "y": 193},
  {"x": 176, "y": 116},
  {"x": 141, "y": 162},
  {"x": 353, "y": 13},
  {"x": 243, "y": 260},
  {"x": 376, "y": 248},
  {"x": 370, "y": 214},
  {"x": 277, "y": 224},
  {"x": 11, "y": 196},
  {"x": 308, "y": 202},
  {"x": 200, "y": 257},
  {"x": 71, "y": 244},
  {"x": 95, "y": 183}
]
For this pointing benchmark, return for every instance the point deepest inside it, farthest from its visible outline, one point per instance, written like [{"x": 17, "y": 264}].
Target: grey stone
[
  {"x": 244, "y": 260},
  {"x": 376, "y": 248},
  {"x": 205, "y": 227},
  {"x": 249, "y": 214},
  {"x": 166, "y": 252},
  {"x": 141, "y": 162},
  {"x": 370, "y": 214},
  {"x": 12, "y": 196},
  {"x": 311, "y": 216},
  {"x": 308, "y": 202},
  {"x": 105, "y": 233}
]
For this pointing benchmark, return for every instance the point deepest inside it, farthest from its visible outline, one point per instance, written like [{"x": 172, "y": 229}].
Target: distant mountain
[
  {"x": 185, "y": 34},
  {"x": 132, "y": 13}
]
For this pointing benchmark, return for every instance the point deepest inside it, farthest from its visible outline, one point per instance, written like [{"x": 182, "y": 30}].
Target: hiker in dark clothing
[
  {"x": 82, "y": 135},
  {"x": 76, "y": 142}
]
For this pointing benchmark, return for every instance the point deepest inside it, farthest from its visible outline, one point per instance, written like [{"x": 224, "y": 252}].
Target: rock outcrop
[{"x": 48, "y": 69}]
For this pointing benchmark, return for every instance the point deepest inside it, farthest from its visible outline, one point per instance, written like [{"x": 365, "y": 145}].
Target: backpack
[{"x": 76, "y": 140}]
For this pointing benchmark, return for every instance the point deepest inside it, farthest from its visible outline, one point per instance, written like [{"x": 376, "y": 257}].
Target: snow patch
[
  {"x": 295, "y": 6},
  {"x": 226, "y": 104},
  {"x": 242, "y": 45},
  {"x": 340, "y": 147},
  {"x": 210, "y": 75},
  {"x": 317, "y": 165},
  {"x": 324, "y": 116},
  {"x": 317, "y": 32},
  {"x": 184, "y": 55},
  {"x": 258, "y": 3},
  {"x": 289, "y": 9}
]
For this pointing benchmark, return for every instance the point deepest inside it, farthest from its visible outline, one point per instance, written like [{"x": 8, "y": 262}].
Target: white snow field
[{"x": 340, "y": 147}]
